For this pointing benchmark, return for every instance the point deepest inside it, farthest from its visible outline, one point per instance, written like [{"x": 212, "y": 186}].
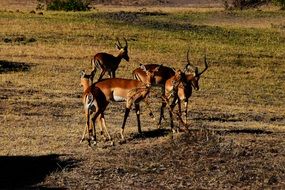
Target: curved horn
[
  {"x": 143, "y": 67},
  {"x": 189, "y": 65},
  {"x": 206, "y": 65},
  {"x": 126, "y": 42},
  {"x": 118, "y": 43}
]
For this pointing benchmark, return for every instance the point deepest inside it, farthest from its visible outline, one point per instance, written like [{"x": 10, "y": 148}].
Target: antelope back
[
  {"x": 160, "y": 76},
  {"x": 149, "y": 74}
]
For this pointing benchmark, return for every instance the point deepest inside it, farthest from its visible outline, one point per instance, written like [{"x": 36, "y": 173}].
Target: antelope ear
[
  {"x": 157, "y": 68},
  {"x": 82, "y": 73},
  {"x": 173, "y": 69},
  {"x": 187, "y": 68},
  {"x": 143, "y": 67}
]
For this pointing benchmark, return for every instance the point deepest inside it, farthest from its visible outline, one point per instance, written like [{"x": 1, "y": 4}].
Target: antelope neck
[{"x": 86, "y": 85}]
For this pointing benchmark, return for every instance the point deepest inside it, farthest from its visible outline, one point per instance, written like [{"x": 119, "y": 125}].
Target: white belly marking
[{"x": 118, "y": 98}]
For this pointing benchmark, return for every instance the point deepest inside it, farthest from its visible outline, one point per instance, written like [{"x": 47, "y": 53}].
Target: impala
[
  {"x": 107, "y": 62},
  {"x": 93, "y": 107},
  {"x": 97, "y": 97},
  {"x": 164, "y": 78}
]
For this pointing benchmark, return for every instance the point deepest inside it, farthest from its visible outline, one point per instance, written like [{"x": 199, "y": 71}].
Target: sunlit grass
[
  {"x": 246, "y": 63},
  {"x": 236, "y": 119}
]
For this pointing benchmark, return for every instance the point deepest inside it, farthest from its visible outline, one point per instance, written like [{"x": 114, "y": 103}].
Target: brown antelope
[
  {"x": 165, "y": 77},
  {"x": 97, "y": 97},
  {"x": 107, "y": 62},
  {"x": 93, "y": 107},
  {"x": 191, "y": 79}
]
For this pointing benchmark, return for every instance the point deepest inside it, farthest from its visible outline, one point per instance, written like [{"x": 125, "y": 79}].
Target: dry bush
[{"x": 243, "y": 4}]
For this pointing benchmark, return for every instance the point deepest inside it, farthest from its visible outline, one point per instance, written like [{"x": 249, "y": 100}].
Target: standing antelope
[
  {"x": 93, "y": 106},
  {"x": 191, "y": 79},
  {"x": 114, "y": 89},
  {"x": 107, "y": 62},
  {"x": 164, "y": 78}
]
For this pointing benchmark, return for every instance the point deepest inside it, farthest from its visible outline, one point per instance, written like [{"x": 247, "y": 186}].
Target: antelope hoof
[
  {"x": 83, "y": 139},
  {"x": 94, "y": 143},
  {"x": 123, "y": 141}
]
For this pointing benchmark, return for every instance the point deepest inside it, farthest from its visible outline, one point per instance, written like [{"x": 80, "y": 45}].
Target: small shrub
[
  {"x": 19, "y": 39},
  {"x": 66, "y": 5},
  {"x": 40, "y": 5},
  {"x": 244, "y": 4},
  {"x": 280, "y": 3}
]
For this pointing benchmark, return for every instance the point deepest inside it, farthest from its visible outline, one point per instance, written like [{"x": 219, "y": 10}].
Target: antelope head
[
  {"x": 192, "y": 72},
  {"x": 149, "y": 74},
  {"x": 85, "y": 80},
  {"x": 123, "y": 50}
]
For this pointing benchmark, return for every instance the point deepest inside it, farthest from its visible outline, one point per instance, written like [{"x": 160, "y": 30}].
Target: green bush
[
  {"x": 280, "y": 3},
  {"x": 68, "y": 5}
]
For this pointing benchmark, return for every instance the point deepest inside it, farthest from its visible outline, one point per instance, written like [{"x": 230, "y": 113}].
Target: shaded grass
[
  {"x": 27, "y": 171},
  {"x": 7, "y": 66}
]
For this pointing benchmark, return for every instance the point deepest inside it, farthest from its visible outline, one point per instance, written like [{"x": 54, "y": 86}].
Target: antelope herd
[{"x": 175, "y": 84}]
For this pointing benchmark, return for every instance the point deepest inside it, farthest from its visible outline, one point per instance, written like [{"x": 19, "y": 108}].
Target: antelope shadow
[
  {"x": 247, "y": 131},
  {"x": 25, "y": 172},
  {"x": 151, "y": 134}
]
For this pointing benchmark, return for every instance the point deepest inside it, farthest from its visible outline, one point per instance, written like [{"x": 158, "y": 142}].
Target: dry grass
[{"x": 237, "y": 118}]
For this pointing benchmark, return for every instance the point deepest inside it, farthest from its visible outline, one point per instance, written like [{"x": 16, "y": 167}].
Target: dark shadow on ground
[
  {"x": 22, "y": 172},
  {"x": 10, "y": 66},
  {"x": 150, "y": 134},
  {"x": 143, "y": 19},
  {"x": 246, "y": 131}
]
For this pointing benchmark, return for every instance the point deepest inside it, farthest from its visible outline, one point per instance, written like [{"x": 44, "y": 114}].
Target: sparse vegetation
[
  {"x": 65, "y": 5},
  {"x": 281, "y": 3},
  {"x": 237, "y": 118},
  {"x": 242, "y": 4}
]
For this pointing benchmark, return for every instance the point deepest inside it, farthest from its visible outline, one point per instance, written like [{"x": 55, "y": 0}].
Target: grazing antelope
[
  {"x": 114, "y": 89},
  {"x": 107, "y": 62},
  {"x": 164, "y": 78}
]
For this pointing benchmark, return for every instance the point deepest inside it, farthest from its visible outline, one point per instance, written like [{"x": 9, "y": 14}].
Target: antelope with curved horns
[
  {"x": 184, "y": 91},
  {"x": 114, "y": 89},
  {"x": 164, "y": 78},
  {"x": 110, "y": 63}
]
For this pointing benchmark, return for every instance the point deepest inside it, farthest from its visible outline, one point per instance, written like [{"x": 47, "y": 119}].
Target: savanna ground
[{"x": 237, "y": 119}]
